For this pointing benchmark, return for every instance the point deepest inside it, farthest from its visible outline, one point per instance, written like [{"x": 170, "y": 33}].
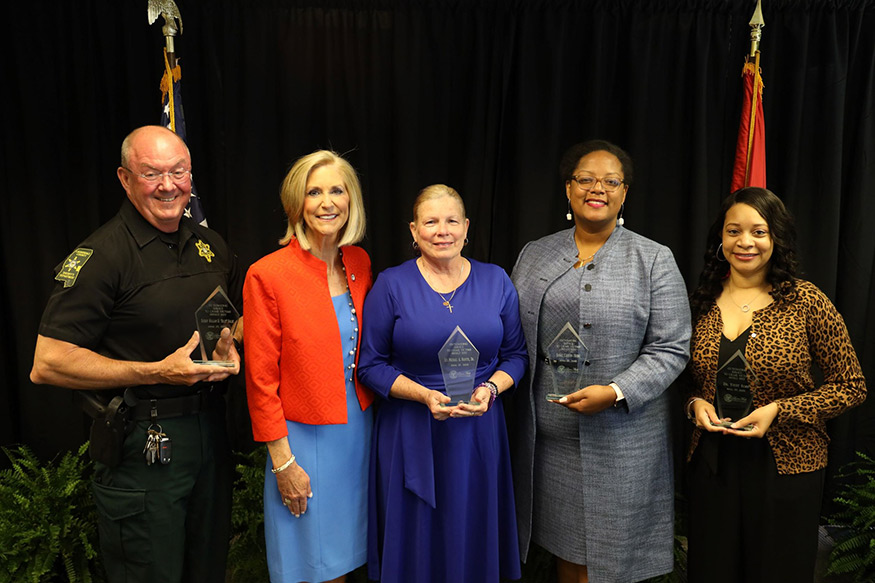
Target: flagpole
[
  {"x": 756, "y": 29},
  {"x": 172, "y": 116},
  {"x": 749, "y": 166},
  {"x": 756, "y": 34},
  {"x": 169, "y": 30},
  {"x": 170, "y": 12}
]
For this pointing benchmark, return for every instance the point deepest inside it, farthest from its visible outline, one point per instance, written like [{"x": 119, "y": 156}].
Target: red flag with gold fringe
[{"x": 750, "y": 150}]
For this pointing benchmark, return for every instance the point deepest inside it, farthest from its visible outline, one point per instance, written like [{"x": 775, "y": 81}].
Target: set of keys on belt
[{"x": 157, "y": 447}]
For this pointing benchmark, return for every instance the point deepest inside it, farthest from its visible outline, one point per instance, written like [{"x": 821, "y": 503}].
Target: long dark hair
[{"x": 782, "y": 265}]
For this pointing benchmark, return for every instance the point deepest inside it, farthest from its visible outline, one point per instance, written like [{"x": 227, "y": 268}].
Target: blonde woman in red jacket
[{"x": 303, "y": 316}]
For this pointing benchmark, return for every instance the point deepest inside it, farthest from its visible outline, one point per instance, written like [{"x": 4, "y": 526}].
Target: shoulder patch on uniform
[
  {"x": 203, "y": 249},
  {"x": 72, "y": 264}
]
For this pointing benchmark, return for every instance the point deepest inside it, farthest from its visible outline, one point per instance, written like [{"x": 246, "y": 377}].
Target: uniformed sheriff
[{"x": 120, "y": 324}]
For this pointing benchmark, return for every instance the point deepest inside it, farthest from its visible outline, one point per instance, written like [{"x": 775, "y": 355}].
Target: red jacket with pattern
[{"x": 294, "y": 360}]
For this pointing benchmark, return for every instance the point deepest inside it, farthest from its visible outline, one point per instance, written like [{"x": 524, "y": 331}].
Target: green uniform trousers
[{"x": 168, "y": 523}]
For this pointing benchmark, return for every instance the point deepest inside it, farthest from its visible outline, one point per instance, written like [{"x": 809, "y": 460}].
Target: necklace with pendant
[
  {"x": 447, "y": 301},
  {"x": 745, "y": 307},
  {"x": 581, "y": 262}
]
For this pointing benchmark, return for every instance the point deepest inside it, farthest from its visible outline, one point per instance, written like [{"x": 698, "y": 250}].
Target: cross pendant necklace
[{"x": 447, "y": 303}]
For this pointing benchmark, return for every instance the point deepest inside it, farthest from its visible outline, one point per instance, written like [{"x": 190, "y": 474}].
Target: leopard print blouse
[{"x": 785, "y": 337}]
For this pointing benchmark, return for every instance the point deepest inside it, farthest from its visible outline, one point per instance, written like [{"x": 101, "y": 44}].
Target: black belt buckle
[{"x": 155, "y": 409}]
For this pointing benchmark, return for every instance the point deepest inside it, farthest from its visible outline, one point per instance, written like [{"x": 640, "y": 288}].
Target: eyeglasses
[
  {"x": 587, "y": 183},
  {"x": 152, "y": 177}
]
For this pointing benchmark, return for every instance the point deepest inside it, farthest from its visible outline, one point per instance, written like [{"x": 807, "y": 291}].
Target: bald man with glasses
[{"x": 120, "y": 326}]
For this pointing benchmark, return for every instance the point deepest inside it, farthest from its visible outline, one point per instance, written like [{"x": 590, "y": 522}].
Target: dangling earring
[
  {"x": 568, "y": 214},
  {"x": 620, "y": 220},
  {"x": 719, "y": 253},
  {"x": 415, "y": 246}
]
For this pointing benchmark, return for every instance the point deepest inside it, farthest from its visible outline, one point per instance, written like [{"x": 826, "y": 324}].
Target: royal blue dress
[
  {"x": 329, "y": 539},
  {"x": 440, "y": 500}
]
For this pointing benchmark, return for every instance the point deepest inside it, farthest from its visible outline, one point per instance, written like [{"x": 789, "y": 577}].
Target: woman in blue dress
[
  {"x": 303, "y": 305},
  {"x": 441, "y": 506}
]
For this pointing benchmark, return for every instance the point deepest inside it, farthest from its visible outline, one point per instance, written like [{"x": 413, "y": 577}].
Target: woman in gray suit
[{"x": 607, "y": 325}]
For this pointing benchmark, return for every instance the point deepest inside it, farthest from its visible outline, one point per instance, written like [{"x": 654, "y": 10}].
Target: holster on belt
[{"x": 109, "y": 428}]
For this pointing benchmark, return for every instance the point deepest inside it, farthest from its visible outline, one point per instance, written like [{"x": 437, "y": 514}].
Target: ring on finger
[{"x": 286, "y": 501}]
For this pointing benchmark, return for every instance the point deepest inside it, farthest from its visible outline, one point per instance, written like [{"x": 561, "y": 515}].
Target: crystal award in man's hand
[{"x": 216, "y": 313}]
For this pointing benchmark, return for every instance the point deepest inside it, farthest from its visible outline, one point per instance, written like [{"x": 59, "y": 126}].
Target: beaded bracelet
[
  {"x": 493, "y": 392},
  {"x": 284, "y": 466}
]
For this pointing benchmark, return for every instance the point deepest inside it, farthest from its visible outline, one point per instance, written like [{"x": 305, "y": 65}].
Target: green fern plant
[
  {"x": 247, "y": 557},
  {"x": 47, "y": 520},
  {"x": 854, "y": 551}
]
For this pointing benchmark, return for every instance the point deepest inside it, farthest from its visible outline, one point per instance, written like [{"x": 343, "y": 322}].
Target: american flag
[{"x": 173, "y": 118}]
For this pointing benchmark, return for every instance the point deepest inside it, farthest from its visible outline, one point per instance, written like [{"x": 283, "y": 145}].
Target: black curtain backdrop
[{"x": 483, "y": 95}]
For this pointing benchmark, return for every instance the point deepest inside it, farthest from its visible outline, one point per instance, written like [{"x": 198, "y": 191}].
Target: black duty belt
[{"x": 152, "y": 409}]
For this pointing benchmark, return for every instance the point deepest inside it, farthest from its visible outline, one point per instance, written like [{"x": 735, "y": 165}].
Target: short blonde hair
[
  {"x": 436, "y": 191},
  {"x": 293, "y": 191}
]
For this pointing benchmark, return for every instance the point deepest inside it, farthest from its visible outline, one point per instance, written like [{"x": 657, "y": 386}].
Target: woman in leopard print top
[{"x": 754, "y": 502}]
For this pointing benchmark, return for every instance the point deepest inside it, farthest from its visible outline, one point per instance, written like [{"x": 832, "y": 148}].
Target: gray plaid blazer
[{"x": 636, "y": 302}]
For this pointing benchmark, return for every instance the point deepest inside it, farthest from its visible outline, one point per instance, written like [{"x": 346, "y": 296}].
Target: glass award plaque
[
  {"x": 458, "y": 357},
  {"x": 217, "y": 312},
  {"x": 733, "y": 398},
  {"x": 565, "y": 353}
]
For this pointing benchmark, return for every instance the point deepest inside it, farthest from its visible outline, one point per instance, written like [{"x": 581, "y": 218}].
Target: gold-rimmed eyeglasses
[
  {"x": 153, "y": 177},
  {"x": 587, "y": 183}
]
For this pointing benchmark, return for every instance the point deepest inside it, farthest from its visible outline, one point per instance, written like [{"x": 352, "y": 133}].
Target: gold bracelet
[{"x": 284, "y": 466}]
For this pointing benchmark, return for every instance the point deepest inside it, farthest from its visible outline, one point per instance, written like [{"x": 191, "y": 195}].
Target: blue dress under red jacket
[{"x": 441, "y": 504}]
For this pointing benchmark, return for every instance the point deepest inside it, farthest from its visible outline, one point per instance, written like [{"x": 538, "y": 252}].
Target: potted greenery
[
  {"x": 48, "y": 526},
  {"x": 247, "y": 559},
  {"x": 854, "y": 552}
]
